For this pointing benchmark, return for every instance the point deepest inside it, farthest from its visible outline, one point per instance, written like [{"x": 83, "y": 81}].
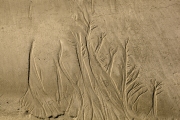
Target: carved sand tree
[
  {"x": 130, "y": 91},
  {"x": 36, "y": 101},
  {"x": 156, "y": 90},
  {"x": 103, "y": 101},
  {"x": 94, "y": 95}
]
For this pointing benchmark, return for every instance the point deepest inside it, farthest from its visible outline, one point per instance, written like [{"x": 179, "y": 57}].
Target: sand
[{"x": 89, "y": 59}]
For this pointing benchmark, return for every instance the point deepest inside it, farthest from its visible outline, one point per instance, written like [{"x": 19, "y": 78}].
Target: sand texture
[{"x": 89, "y": 59}]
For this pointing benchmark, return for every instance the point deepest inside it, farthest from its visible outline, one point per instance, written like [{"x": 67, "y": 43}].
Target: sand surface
[{"x": 90, "y": 59}]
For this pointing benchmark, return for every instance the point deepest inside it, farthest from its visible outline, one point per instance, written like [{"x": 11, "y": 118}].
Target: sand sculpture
[{"x": 89, "y": 60}]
